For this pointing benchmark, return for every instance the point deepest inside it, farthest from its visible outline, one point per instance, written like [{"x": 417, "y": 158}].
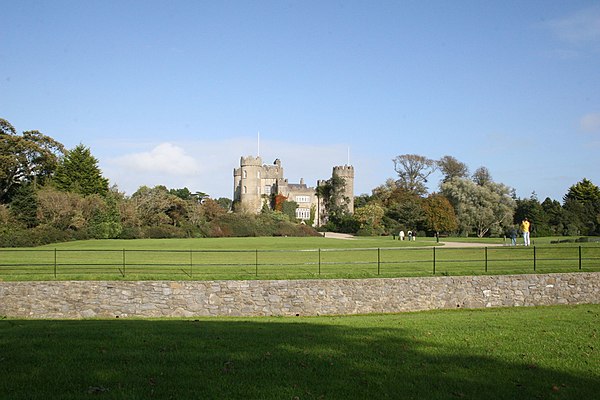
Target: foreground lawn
[{"x": 532, "y": 353}]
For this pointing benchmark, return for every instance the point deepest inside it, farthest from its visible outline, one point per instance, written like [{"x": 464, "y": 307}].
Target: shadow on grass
[{"x": 263, "y": 359}]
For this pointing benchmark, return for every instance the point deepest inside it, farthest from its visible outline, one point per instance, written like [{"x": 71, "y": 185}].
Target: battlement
[
  {"x": 250, "y": 161},
  {"x": 343, "y": 170}
]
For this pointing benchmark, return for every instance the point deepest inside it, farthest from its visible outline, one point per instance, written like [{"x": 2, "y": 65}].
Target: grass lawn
[
  {"x": 242, "y": 243},
  {"x": 288, "y": 258},
  {"x": 512, "y": 353}
]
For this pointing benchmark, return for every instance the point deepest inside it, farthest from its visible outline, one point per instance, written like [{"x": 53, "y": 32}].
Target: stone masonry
[{"x": 110, "y": 299}]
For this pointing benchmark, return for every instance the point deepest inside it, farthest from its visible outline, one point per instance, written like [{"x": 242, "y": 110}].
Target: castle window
[
  {"x": 267, "y": 189},
  {"x": 245, "y": 174},
  {"x": 258, "y": 174},
  {"x": 245, "y": 189},
  {"x": 302, "y": 199},
  {"x": 303, "y": 213}
]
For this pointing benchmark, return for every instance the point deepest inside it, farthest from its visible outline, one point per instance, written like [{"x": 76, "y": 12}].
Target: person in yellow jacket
[{"x": 525, "y": 225}]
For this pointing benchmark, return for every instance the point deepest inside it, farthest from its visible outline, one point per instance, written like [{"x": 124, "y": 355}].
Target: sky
[{"x": 174, "y": 92}]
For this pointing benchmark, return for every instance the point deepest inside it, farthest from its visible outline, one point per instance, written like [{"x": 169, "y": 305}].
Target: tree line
[
  {"x": 49, "y": 194},
  {"x": 470, "y": 204}
]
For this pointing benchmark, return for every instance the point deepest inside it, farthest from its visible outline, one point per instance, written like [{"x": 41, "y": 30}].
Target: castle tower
[
  {"x": 247, "y": 184},
  {"x": 347, "y": 173}
]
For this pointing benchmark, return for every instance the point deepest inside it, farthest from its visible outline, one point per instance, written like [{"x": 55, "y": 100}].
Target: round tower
[
  {"x": 347, "y": 173},
  {"x": 250, "y": 184}
]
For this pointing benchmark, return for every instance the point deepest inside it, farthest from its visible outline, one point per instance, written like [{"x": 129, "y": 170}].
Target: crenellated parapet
[
  {"x": 344, "y": 170},
  {"x": 250, "y": 161}
]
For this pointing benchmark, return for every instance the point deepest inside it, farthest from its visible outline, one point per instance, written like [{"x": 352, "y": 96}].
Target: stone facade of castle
[{"x": 254, "y": 184}]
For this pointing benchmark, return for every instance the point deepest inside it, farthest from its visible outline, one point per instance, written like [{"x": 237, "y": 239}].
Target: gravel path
[
  {"x": 345, "y": 236},
  {"x": 461, "y": 244},
  {"x": 335, "y": 235}
]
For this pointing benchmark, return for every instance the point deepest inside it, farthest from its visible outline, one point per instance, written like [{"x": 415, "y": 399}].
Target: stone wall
[{"x": 110, "y": 299}]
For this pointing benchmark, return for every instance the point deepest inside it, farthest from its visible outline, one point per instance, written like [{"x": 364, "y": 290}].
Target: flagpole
[{"x": 348, "y": 155}]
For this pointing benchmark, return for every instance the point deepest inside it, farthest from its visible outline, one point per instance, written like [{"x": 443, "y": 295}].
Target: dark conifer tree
[
  {"x": 78, "y": 172},
  {"x": 24, "y": 206}
]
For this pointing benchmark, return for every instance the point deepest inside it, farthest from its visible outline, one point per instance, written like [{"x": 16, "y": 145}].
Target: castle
[{"x": 254, "y": 184}]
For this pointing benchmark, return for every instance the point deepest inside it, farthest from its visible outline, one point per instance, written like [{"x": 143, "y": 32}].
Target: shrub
[
  {"x": 306, "y": 230},
  {"x": 131, "y": 232},
  {"x": 285, "y": 229},
  {"x": 248, "y": 225},
  {"x": 370, "y": 231},
  {"x": 38, "y": 236},
  {"x": 49, "y": 234}
]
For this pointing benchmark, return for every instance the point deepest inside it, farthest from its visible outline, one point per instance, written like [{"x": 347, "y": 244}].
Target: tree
[
  {"x": 574, "y": 213},
  {"x": 532, "y": 209},
  {"x": 383, "y": 193},
  {"x": 408, "y": 212},
  {"x": 362, "y": 200},
  {"x": 28, "y": 158},
  {"x": 413, "y": 171},
  {"x": 331, "y": 195},
  {"x": 58, "y": 209},
  {"x": 583, "y": 192},
  {"x": 152, "y": 205},
  {"x": 105, "y": 222},
  {"x": 554, "y": 215},
  {"x": 403, "y": 208},
  {"x": 289, "y": 208},
  {"x": 452, "y": 168},
  {"x": 183, "y": 194},
  {"x": 24, "y": 206},
  {"x": 482, "y": 176},
  {"x": 78, "y": 172},
  {"x": 277, "y": 202},
  {"x": 582, "y": 203},
  {"x": 212, "y": 210},
  {"x": 439, "y": 214},
  {"x": 483, "y": 208},
  {"x": 225, "y": 202},
  {"x": 370, "y": 218}
]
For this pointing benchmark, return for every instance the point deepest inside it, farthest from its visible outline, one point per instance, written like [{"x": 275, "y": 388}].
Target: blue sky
[{"x": 174, "y": 92}]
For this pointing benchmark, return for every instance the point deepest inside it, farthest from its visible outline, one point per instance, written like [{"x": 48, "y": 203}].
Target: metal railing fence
[{"x": 258, "y": 264}]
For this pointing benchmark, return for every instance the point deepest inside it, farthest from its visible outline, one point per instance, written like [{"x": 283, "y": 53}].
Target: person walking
[
  {"x": 512, "y": 232},
  {"x": 401, "y": 234},
  {"x": 525, "y": 224}
]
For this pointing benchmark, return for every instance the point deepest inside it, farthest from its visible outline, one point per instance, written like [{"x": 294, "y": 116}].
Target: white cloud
[
  {"x": 590, "y": 122},
  {"x": 166, "y": 158},
  {"x": 579, "y": 27}
]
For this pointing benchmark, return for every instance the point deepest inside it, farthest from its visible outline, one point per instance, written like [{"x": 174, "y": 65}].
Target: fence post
[
  {"x": 319, "y": 261},
  {"x": 580, "y": 257},
  {"x": 54, "y": 262},
  {"x": 256, "y": 261},
  {"x": 486, "y": 259},
  {"x": 191, "y": 263},
  {"x": 378, "y": 261},
  {"x": 534, "y": 259},
  {"x": 434, "y": 260},
  {"x": 123, "y": 270}
]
